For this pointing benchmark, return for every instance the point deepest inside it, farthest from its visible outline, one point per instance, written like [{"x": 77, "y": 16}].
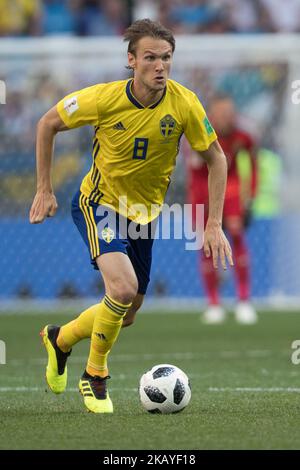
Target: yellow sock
[
  {"x": 106, "y": 328},
  {"x": 77, "y": 329}
]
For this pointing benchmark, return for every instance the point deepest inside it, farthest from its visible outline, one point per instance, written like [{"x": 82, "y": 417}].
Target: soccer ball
[{"x": 164, "y": 389}]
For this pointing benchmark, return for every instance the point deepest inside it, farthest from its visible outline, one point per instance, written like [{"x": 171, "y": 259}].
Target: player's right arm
[
  {"x": 75, "y": 110},
  {"x": 44, "y": 203}
]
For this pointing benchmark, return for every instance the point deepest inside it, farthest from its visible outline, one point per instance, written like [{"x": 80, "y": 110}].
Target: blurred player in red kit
[{"x": 237, "y": 206}]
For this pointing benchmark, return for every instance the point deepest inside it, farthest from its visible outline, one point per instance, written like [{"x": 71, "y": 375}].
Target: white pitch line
[
  {"x": 44, "y": 389},
  {"x": 116, "y": 358},
  {"x": 188, "y": 356},
  {"x": 255, "y": 389}
]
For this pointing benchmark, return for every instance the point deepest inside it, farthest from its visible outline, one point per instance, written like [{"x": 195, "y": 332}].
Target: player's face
[
  {"x": 151, "y": 62},
  {"x": 222, "y": 115}
]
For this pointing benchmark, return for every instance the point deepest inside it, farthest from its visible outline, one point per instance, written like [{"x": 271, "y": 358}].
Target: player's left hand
[{"x": 217, "y": 245}]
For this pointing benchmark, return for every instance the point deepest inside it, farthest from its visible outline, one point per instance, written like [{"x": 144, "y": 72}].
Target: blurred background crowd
[
  {"x": 38, "y": 73},
  {"x": 103, "y": 17}
]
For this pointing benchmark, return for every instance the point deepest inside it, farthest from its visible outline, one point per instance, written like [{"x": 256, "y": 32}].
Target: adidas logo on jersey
[{"x": 119, "y": 126}]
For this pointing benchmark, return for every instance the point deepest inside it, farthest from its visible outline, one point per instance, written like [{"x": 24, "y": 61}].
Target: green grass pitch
[{"x": 245, "y": 389}]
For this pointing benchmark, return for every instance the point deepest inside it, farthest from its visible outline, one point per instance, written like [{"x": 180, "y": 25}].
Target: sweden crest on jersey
[
  {"x": 167, "y": 125},
  {"x": 108, "y": 234}
]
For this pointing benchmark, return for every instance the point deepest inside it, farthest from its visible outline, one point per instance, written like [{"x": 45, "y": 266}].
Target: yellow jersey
[{"x": 135, "y": 147}]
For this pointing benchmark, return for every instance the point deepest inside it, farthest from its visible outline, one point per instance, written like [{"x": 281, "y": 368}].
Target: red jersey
[{"x": 231, "y": 144}]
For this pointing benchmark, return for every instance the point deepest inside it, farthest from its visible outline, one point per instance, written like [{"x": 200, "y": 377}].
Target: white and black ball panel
[
  {"x": 164, "y": 389},
  {"x": 163, "y": 371},
  {"x": 154, "y": 394},
  {"x": 178, "y": 392}
]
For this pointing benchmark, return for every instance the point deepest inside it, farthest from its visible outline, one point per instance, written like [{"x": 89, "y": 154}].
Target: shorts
[{"x": 105, "y": 231}]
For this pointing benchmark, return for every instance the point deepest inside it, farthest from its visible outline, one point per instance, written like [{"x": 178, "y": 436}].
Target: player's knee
[
  {"x": 125, "y": 295},
  {"x": 124, "y": 291}
]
